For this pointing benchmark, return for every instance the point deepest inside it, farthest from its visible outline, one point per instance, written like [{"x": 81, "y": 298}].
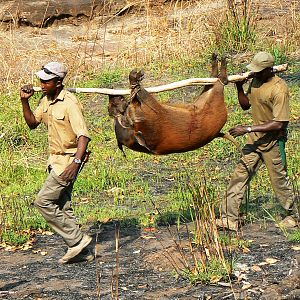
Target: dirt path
[{"x": 145, "y": 271}]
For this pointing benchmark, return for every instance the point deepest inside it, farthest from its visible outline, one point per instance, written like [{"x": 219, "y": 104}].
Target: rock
[{"x": 44, "y": 13}]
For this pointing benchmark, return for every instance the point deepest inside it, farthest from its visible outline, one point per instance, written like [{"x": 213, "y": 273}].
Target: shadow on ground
[{"x": 144, "y": 269}]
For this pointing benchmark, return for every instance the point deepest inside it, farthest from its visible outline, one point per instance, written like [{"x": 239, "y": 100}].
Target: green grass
[
  {"x": 15, "y": 238},
  {"x": 141, "y": 178},
  {"x": 294, "y": 236},
  {"x": 215, "y": 271}
]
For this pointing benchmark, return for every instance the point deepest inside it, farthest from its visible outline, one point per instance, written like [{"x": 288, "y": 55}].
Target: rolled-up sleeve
[
  {"x": 38, "y": 113},
  {"x": 281, "y": 109}
]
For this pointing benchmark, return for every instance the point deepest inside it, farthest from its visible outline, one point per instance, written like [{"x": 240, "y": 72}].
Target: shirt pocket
[{"x": 59, "y": 115}]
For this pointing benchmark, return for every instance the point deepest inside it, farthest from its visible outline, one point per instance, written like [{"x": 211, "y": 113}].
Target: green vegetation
[
  {"x": 214, "y": 271},
  {"x": 295, "y": 236},
  {"x": 238, "y": 32}
]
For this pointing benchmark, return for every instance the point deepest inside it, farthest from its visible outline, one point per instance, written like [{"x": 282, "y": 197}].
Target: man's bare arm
[
  {"x": 71, "y": 171},
  {"x": 265, "y": 127},
  {"x": 25, "y": 93},
  {"x": 242, "y": 97}
]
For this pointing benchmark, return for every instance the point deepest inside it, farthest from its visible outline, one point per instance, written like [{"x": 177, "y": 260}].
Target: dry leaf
[
  {"x": 47, "y": 233},
  {"x": 44, "y": 253},
  {"x": 215, "y": 279},
  {"x": 147, "y": 237},
  {"x": 26, "y": 247},
  {"x": 263, "y": 263},
  {"x": 240, "y": 276},
  {"x": 106, "y": 220},
  {"x": 271, "y": 260},
  {"x": 296, "y": 248},
  {"x": 2, "y": 245},
  {"x": 84, "y": 200},
  {"x": 246, "y": 285},
  {"x": 150, "y": 229},
  {"x": 226, "y": 284},
  {"x": 10, "y": 248},
  {"x": 256, "y": 268},
  {"x": 246, "y": 250}
]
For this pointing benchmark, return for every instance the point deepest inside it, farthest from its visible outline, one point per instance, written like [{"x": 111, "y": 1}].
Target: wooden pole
[{"x": 170, "y": 86}]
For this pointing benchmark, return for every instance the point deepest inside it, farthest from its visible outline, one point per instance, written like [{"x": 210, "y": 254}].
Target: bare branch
[{"x": 170, "y": 86}]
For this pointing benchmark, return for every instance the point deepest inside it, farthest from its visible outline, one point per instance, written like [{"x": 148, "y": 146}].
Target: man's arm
[
  {"x": 25, "y": 93},
  {"x": 265, "y": 127},
  {"x": 71, "y": 171},
  {"x": 243, "y": 99}
]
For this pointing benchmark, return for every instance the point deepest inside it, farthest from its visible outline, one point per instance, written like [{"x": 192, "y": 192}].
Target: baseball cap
[
  {"x": 260, "y": 61},
  {"x": 51, "y": 70}
]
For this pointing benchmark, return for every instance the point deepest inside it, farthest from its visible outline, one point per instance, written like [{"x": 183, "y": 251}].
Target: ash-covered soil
[{"x": 143, "y": 270}]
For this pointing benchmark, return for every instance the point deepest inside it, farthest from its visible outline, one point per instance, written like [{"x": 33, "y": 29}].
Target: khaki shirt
[
  {"x": 64, "y": 120},
  {"x": 269, "y": 101}
]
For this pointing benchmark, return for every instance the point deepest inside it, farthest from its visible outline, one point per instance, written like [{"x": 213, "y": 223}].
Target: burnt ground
[{"x": 268, "y": 271}]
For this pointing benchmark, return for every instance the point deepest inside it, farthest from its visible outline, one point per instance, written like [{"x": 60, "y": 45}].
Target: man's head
[
  {"x": 261, "y": 61},
  {"x": 52, "y": 70},
  {"x": 51, "y": 77},
  {"x": 262, "y": 65}
]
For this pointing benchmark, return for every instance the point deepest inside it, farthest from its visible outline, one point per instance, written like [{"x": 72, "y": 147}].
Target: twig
[{"x": 117, "y": 233}]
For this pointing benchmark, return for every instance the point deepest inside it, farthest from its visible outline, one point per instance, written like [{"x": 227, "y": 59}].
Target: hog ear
[{"x": 141, "y": 140}]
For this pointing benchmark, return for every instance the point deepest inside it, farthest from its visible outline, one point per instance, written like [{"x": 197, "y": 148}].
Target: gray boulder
[{"x": 44, "y": 13}]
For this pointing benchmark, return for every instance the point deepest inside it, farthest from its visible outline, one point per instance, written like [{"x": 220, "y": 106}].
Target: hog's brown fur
[{"x": 146, "y": 125}]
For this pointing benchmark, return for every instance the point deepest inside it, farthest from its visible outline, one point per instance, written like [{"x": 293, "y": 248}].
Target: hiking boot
[
  {"x": 85, "y": 255},
  {"x": 75, "y": 250},
  {"x": 225, "y": 223},
  {"x": 287, "y": 222}
]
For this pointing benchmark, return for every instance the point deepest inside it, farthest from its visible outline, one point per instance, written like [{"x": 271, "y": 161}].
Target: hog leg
[
  {"x": 214, "y": 70},
  {"x": 139, "y": 95},
  {"x": 223, "y": 71}
]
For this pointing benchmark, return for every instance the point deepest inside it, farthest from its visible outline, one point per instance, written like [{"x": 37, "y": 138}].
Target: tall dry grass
[{"x": 150, "y": 33}]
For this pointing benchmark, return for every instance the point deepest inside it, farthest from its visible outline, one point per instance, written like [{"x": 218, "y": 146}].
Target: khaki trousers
[
  {"x": 244, "y": 171},
  {"x": 54, "y": 203}
]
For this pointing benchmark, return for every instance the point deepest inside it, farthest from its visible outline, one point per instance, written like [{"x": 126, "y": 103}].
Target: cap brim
[
  {"x": 44, "y": 76},
  {"x": 254, "y": 68}
]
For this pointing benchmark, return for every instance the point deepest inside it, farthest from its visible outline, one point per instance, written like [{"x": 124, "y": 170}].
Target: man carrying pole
[
  {"x": 268, "y": 98},
  {"x": 68, "y": 139}
]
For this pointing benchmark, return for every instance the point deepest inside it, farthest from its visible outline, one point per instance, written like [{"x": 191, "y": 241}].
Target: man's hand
[
  {"x": 238, "y": 130},
  {"x": 239, "y": 84},
  {"x": 26, "y": 92},
  {"x": 70, "y": 173}
]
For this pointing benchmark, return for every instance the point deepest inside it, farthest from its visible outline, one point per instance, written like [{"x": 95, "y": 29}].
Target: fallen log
[{"x": 170, "y": 86}]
